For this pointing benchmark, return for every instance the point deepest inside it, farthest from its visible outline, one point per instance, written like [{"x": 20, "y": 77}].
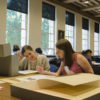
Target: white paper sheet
[
  {"x": 34, "y": 77},
  {"x": 96, "y": 63},
  {"x": 27, "y": 72}
]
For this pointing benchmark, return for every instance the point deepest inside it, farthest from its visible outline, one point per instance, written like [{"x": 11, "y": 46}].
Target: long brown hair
[{"x": 66, "y": 46}]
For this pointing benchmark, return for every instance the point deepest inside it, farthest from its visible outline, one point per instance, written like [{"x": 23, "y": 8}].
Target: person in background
[
  {"x": 71, "y": 61},
  {"x": 23, "y": 62},
  {"x": 38, "y": 50},
  {"x": 89, "y": 52},
  {"x": 88, "y": 55},
  {"x": 16, "y": 50},
  {"x": 54, "y": 64},
  {"x": 35, "y": 60}
]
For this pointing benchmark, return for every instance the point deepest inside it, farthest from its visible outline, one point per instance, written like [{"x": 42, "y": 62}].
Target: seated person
[
  {"x": 23, "y": 64},
  {"x": 22, "y": 60},
  {"x": 54, "y": 64},
  {"x": 72, "y": 62},
  {"x": 16, "y": 50},
  {"x": 35, "y": 60},
  {"x": 38, "y": 50},
  {"x": 89, "y": 52},
  {"x": 88, "y": 55}
]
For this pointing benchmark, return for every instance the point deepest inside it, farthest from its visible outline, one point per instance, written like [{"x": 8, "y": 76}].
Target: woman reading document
[{"x": 72, "y": 62}]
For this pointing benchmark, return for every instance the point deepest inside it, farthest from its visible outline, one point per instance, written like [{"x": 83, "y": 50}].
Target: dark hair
[
  {"x": 26, "y": 47},
  {"x": 66, "y": 46},
  {"x": 38, "y": 50},
  {"x": 15, "y": 48},
  {"x": 83, "y": 52},
  {"x": 88, "y": 51}
]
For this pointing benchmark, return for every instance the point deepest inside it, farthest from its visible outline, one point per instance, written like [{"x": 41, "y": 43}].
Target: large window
[
  {"x": 85, "y": 34},
  {"x": 96, "y": 39},
  {"x": 48, "y": 29},
  {"x": 69, "y": 28},
  {"x": 16, "y": 27}
]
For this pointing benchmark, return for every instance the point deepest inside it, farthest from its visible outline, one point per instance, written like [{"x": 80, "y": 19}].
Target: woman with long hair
[{"x": 72, "y": 62}]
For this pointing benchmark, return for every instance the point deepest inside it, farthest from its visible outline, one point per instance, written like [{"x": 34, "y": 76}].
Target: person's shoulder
[
  {"x": 41, "y": 56},
  {"x": 18, "y": 52},
  {"x": 76, "y": 54},
  {"x": 79, "y": 56}
]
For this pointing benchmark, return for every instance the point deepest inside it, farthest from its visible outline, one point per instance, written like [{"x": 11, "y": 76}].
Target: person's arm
[
  {"x": 23, "y": 64},
  {"x": 20, "y": 57},
  {"x": 84, "y": 64},
  {"x": 46, "y": 63},
  {"x": 42, "y": 71},
  {"x": 42, "y": 61}
]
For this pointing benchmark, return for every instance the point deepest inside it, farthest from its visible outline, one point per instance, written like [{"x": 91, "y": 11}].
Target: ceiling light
[{"x": 86, "y": 1}]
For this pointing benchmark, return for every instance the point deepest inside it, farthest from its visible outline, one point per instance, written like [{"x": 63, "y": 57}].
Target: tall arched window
[
  {"x": 70, "y": 28},
  {"x": 85, "y": 34},
  {"x": 48, "y": 29},
  {"x": 16, "y": 27},
  {"x": 96, "y": 39}
]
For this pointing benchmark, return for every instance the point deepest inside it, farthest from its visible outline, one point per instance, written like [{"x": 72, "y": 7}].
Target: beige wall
[
  {"x": 3, "y": 8},
  {"x": 92, "y": 35},
  {"x": 35, "y": 15},
  {"x": 60, "y": 12},
  {"x": 78, "y": 32}
]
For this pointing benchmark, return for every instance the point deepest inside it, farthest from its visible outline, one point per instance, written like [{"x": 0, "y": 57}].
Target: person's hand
[
  {"x": 40, "y": 69},
  {"x": 1, "y": 88},
  {"x": 71, "y": 72},
  {"x": 20, "y": 57}
]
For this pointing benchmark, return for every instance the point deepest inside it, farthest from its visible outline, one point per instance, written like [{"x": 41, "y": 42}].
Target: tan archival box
[
  {"x": 5, "y": 50},
  {"x": 9, "y": 65},
  {"x": 74, "y": 87}
]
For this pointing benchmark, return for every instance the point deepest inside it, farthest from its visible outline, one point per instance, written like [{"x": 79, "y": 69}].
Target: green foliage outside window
[
  {"x": 13, "y": 28},
  {"x": 45, "y": 34}
]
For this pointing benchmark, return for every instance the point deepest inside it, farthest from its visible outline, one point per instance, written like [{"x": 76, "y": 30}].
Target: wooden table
[{"x": 5, "y": 92}]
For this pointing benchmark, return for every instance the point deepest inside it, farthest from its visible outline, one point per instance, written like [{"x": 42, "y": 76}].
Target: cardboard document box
[
  {"x": 5, "y": 50},
  {"x": 74, "y": 87},
  {"x": 9, "y": 65}
]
